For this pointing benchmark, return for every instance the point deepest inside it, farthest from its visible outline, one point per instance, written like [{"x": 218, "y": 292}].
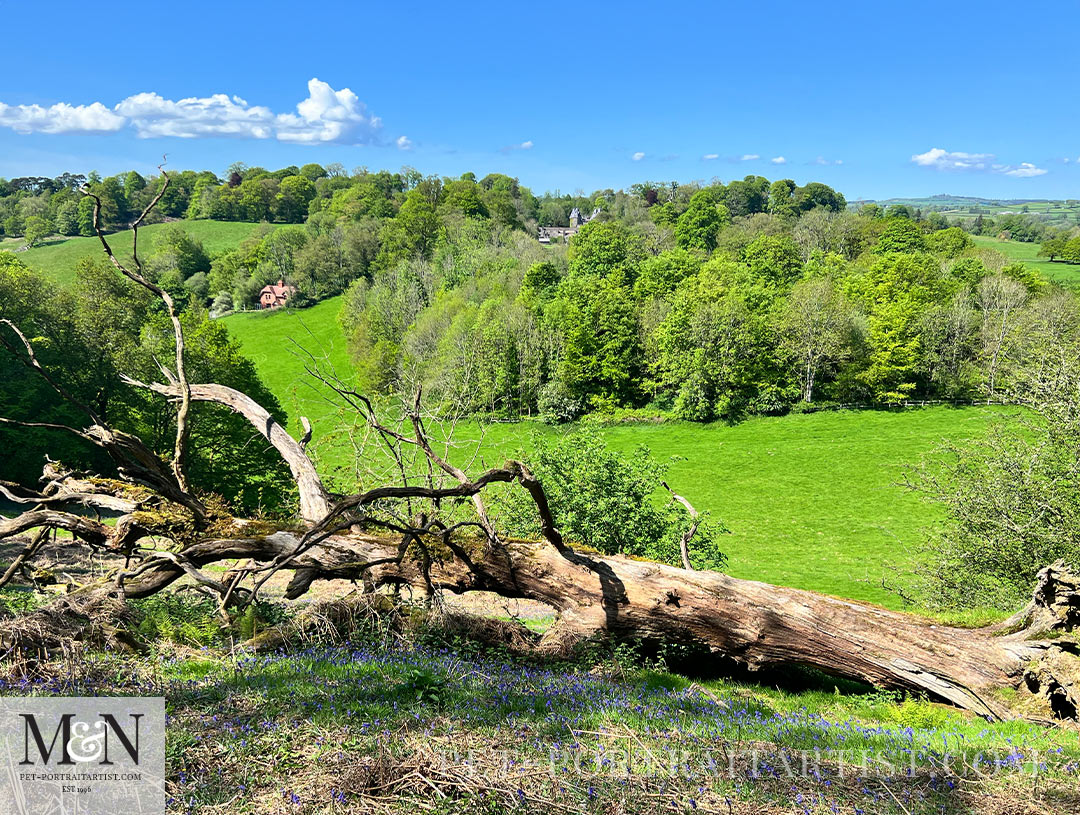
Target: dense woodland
[{"x": 700, "y": 302}]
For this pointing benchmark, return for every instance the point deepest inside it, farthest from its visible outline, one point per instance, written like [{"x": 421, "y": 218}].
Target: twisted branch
[{"x": 183, "y": 430}]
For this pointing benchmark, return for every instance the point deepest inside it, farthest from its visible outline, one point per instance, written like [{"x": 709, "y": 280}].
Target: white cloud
[
  {"x": 60, "y": 118},
  {"x": 1025, "y": 170},
  {"x": 824, "y": 162},
  {"x": 947, "y": 161},
  {"x": 710, "y": 157},
  {"x": 153, "y": 116},
  {"x": 749, "y": 157},
  {"x": 525, "y": 145},
  {"x": 778, "y": 160},
  {"x": 404, "y": 143},
  {"x": 638, "y": 156},
  {"x": 326, "y": 115}
]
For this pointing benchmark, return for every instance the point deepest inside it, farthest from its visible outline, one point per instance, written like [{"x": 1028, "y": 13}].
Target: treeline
[
  {"x": 703, "y": 302},
  {"x": 35, "y": 207},
  {"x": 670, "y": 303}
]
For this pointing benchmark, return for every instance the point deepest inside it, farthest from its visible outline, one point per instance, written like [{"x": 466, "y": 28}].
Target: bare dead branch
[
  {"x": 183, "y": 430},
  {"x": 60, "y": 494},
  {"x": 92, "y": 532},
  {"x": 31, "y": 549},
  {"x": 448, "y": 468},
  {"x": 684, "y": 541},
  {"x": 314, "y": 500}
]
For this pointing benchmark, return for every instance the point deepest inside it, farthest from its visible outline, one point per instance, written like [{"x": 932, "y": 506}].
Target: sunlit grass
[{"x": 58, "y": 256}]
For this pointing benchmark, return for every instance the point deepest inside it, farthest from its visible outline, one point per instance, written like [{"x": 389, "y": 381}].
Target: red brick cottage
[{"x": 275, "y": 295}]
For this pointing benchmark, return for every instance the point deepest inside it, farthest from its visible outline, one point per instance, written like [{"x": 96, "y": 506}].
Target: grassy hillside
[
  {"x": 57, "y": 257},
  {"x": 812, "y": 501},
  {"x": 1028, "y": 253},
  {"x": 278, "y": 343}
]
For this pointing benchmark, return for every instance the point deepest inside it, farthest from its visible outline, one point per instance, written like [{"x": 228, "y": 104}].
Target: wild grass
[{"x": 437, "y": 727}]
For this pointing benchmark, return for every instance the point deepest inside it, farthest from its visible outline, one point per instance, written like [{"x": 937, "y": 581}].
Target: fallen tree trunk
[{"x": 755, "y": 625}]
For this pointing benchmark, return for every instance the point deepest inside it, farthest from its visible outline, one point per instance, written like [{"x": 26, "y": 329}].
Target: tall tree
[{"x": 818, "y": 328}]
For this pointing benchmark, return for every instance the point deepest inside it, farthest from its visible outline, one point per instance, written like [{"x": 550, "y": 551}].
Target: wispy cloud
[
  {"x": 404, "y": 143},
  {"x": 749, "y": 157},
  {"x": 710, "y": 157},
  {"x": 326, "y": 115},
  {"x": 638, "y": 156},
  {"x": 954, "y": 161},
  {"x": 940, "y": 159},
  {"x": 824, "y": 162},
  {"x": 525, "y": 145},
  {"x": 778, "y": 160},
  {"x": 1025, "y": 170}
]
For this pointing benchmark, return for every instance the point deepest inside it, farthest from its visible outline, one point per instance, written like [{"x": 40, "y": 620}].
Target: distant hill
[{"x": 1057, "y": 212}]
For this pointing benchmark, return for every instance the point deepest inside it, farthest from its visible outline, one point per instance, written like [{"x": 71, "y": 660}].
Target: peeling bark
[{"x": 753, "y": 624}]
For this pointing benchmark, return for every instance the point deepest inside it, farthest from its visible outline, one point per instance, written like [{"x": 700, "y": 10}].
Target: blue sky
[{"x": 876, "y": 99}]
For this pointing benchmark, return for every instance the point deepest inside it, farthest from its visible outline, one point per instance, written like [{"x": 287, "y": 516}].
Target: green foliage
[
  {"x": 710, "y": 349},
  {"x": 895, "y": 291},
  {"x": 900, "y": 235},
  {"x": 661, "y": 274},
  {"x": 608, "y": 502},
  {"x": 815, "y": 194},
  {"x": 86, "y": 336},
  {"x": 1011, "y": 498},
  {"x": 176, "y": 618},
  {"x": 424, "y": 686},
  {"x": 699, "y": 225},
  {"x": 774, "y": 259},
  {"x": 950, "y": 243},
  {"x": 602, "y": 355},
  {"x": 36, "y": 229},
  {"x": 606, "y": 249},
  {"x": 14, "y": 602}
]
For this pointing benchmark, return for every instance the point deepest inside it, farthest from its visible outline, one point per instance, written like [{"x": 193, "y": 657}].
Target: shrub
[
  {"x": 557, "y": 405},
  {"x": 1011, "y": 499},
  {"x": 611, "y": 503}
]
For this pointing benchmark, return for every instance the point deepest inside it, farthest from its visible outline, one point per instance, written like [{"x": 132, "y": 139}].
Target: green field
[
  {"x": 813, "y": 501},
  {"x": 1062, "y": 213},
  {"x": 58, "y": 256},
  {"x": 276, "y": 342},
  {"x": 1028, "y": 254}
]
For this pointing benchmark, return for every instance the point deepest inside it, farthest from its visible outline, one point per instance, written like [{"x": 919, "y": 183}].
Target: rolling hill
[{"x": 57, "y": 257}]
